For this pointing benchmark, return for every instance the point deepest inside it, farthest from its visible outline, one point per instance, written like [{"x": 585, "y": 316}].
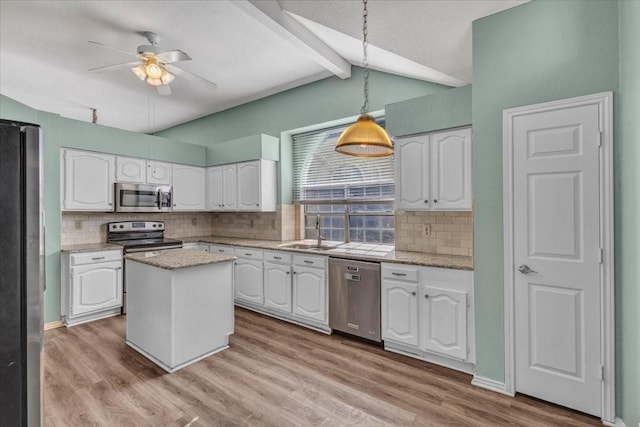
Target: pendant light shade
[{"x": 365, "y": 138}]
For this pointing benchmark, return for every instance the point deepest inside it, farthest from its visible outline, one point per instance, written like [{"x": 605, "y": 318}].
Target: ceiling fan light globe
[
  {"x": 167, "y": 78},
  {"x": 154, "y": 71},
  {"x": 140, "y": 72}
]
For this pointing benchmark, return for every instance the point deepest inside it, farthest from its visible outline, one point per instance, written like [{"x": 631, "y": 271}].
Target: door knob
[{"x": 524, "y": 269}]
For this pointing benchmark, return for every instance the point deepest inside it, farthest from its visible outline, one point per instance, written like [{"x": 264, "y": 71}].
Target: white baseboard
[
  {"x": 53, "y": 325},
  {"x": 489, "y": 384}
]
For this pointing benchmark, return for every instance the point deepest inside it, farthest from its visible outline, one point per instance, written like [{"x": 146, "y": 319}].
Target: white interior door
[{"x": 557, "y": 255}]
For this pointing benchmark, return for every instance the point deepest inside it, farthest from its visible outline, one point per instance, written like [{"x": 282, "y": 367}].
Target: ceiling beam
[{"x": 269, "y": 14}]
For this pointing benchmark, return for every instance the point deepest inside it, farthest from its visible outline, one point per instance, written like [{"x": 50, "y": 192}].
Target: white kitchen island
[{"x": 179, "y": 305}]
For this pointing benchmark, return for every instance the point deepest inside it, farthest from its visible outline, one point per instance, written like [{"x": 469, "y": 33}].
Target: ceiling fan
[{"x": 153, "y": 65}]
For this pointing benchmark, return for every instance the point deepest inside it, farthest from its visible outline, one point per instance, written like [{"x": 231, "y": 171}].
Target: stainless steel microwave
[{"x": 143, "y": 198}]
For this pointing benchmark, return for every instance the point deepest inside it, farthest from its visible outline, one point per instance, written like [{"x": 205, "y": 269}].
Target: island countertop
[{"x": 171, "y": 259}]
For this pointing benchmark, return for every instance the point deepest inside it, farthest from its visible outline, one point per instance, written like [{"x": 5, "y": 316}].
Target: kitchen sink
[{"x": 308, "y": 246}]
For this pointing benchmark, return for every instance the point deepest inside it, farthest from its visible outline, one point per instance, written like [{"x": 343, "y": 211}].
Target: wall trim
[
  {"x": 604, "y": 101},
  {"x": 489, "y": 384},
  {"x": 53, "y": 325}
]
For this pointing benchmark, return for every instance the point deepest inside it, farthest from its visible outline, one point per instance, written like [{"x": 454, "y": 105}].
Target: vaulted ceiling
[{"x": 249, "y": 48}]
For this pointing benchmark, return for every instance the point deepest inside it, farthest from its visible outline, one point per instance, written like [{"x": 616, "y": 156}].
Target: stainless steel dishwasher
[{"x": 354, "y": 298}]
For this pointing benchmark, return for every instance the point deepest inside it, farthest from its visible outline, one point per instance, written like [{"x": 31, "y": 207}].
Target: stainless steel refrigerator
[{"x": 21, "y": 274}]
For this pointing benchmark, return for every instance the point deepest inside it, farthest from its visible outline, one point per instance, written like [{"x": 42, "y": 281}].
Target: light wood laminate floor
[{"x": 274, "y": 374}]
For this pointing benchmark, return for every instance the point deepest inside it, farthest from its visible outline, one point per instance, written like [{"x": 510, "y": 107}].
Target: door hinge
[
  {"x": 599, "y": 139},
  {"x": 468, "y": 302},
  {"x": 601, "y": 260},
  {"x": 468, "y": 350},
  {"x": 601, "y": 372}
]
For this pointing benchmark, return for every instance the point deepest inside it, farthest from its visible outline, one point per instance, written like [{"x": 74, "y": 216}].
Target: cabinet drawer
[
  {"x": 278, "y": 257},
  {"x": 409, "y": 274},
  {"x": 248, "y": 253},
  {"x": 227, "y": 250},
  {"x": 95, "y": 257},
  {"x": 310, "y": 261}
]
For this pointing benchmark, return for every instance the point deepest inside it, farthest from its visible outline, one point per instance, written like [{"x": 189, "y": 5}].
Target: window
[{"x": 352, "y": 197}]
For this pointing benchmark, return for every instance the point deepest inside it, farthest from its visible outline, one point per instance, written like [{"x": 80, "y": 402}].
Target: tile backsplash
[
  {"x": 90, "y": 227},
  {"x": 451, "y": 232}
]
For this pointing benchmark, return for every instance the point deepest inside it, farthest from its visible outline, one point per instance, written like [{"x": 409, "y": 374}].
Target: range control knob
[
  {"x": 154, "y": 226},
  {"x": 121, "y": 226}
]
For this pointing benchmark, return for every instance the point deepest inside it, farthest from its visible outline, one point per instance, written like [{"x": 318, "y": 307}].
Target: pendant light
[{"x": 365, "y": 138}]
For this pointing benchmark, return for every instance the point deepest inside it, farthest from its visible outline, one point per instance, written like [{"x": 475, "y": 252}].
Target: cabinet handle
[
  {"x": 426, "y": 201},
  {"x": 248, "y": 255},
  {"x": 97, "y": 258},
  {"x": 295, "y": 272},
  {"x": 399, "y": 274},
  {"x": 277, "y": 257},
  {"x": 426, "y": 296},
  {"x": 235, "y": 263},
  {"x": 308, "y": 262},
  {"x": 435, "y": 200},
  {"x": 110, "y": 204},
  {"x": 288, "y": 272},
  {"x": 257, "y": 204},
  {"x": 413, "y": 293}
]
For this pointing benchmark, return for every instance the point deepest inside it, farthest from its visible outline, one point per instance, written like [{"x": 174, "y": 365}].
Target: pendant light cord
[{"x": 365, "y": 61}]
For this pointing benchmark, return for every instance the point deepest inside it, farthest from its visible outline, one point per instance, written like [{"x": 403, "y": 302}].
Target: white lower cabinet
[
  {"x": 249, "y": 286},
  {"x": 277, "y": 286},
  {"x": 91, "y": 286},
  {"x": 427, "y": 313},
  {"x": 309, "y": 292}
]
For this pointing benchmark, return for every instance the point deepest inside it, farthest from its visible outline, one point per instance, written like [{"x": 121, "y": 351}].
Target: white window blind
[{"x": 322, "y": 174}]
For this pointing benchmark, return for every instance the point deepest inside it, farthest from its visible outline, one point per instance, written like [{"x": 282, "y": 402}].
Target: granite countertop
[
  {"x": 171, "y": 259},
  {"x": 402, "y": 257},
  {"x": 90, "y": 247}
]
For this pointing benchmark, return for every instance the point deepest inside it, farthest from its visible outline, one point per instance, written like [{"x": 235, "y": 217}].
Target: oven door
[{"x": 142, "y": 198}]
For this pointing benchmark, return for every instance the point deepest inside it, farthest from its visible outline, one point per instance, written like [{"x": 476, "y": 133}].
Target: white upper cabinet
[
  {"x": 159, "y": 172},
  {"x": 229, "y": 187},
  {"x": 129, "y": 169},
  {"x": 412, "y": 173},
  {"x": 451, "y": 170},
  {"x": 433, "y": 171},
  {"x": 88, "y": 180},
  {"x": 214, "y": 188},
  {"x": 188, "y": 188},
  {"x": 246, "y": 186}
]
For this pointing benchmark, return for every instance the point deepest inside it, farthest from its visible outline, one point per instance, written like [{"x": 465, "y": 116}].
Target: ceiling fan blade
[
  {"x": 193, "y": 77},
  {"x": 114, "y": 48},
  {"x": 164, "y": 90},
  {"x": 115, "y": 67},
  {"x": 172, "y": 56}
]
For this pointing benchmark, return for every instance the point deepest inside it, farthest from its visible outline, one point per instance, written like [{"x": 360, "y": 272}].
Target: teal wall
[
  {"x": 319, "y": 102},
  {"x": 252, "y": 147},
  {"x": 537, "y": 52},
  {"x": 442, "y": 110},
  {"x": 60, "y": 132},
  {"x": 627, "y": 205}
]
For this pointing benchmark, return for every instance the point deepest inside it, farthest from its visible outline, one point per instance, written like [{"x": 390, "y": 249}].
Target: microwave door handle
[{"x": 159, "y": 199}]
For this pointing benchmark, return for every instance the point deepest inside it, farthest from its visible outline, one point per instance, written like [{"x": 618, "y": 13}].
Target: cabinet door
[
  {"x": 229, "y": 189},
  {"x": 214, "y": 188},
  {"x": 444, "y": 322},
  {"x": 277, "y": 286},
  {"x": 249, "y": 186},
  {"x": 95, "y": 287},
  {"x": 451, "y": 170},
  {"x": 309, "y": 293},
  {"x": 412, "y": 173},
  {"x": 400, "y": 312},
  {"x": 248, "y": 281},
  {"x": 188, "y": 188},
  {"x": 158, "y": 172},
  {"x": 88, "y": 181},
  {"x": 132, "y": 170}
]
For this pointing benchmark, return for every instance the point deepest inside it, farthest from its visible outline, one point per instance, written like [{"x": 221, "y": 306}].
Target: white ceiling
[{"x": 250, "y": 49}]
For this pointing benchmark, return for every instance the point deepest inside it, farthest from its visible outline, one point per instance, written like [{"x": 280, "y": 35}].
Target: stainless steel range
[{"x": 139, "y": 236}]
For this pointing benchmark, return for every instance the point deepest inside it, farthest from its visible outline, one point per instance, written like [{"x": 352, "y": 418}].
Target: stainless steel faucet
[{"x": 318, "y": 231}]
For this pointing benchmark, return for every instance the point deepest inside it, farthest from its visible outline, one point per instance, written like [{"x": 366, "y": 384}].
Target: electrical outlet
[
  {"x": 426, "y": 230},
  {"x": 194, "y": 221},
  {"x": 78, "y": 225}
]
